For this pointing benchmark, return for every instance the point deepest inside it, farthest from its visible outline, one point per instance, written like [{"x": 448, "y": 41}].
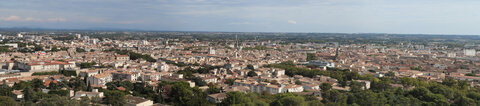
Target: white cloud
[
  {"x": 292, "y": 21},
  {"x": 32, "y": 19},
  {"x": 11, "y": 18}
]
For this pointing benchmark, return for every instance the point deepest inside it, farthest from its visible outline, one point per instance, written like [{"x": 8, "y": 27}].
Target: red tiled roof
[
  {"x": 50, "y": 64},
  {"x": 122, "y": 56},
  {"x": 46, "y": 83},
  {"x": 121, "y": 88}
]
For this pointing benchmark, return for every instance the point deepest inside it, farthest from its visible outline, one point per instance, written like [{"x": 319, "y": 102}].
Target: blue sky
[{"x": 344, "y": 16}]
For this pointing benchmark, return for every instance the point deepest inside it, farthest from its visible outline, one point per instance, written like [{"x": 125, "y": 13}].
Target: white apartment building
[
  {"x": 260, "y": 87},
  {"x": 470, "y": 52},
  {"x": 100, "y": 79},
  {"x": 45, "y": 66},
  {"x": 294, "y": 88}
]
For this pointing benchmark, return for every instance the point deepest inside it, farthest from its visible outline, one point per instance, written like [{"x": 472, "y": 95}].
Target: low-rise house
[
  {"x": 311, "y": 86},
  {"x": 217, "y": 98},
  {"x": 233, "y": 88},
  {"x": 88, "y": 73},
  {"x": 122, "y": 57},
  {"x": 294, "y": 88},
  {"x": 94, "y": 93},
  {"x": 261, "y": 87},
  {"x": 7, "y": 76},
  {"x": 138, "y": 101},
  {"x": 18, "y": 94},
  {"x": 122, "y": 75},
  {"x": 210, "y": 79}
]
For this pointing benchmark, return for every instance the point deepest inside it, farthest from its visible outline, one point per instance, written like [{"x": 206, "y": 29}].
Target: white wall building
[
  {"x": 470, "y": 52},
  {"x": 100, "y": 79}
]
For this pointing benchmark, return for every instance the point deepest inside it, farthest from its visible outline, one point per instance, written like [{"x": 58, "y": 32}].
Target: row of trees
[
  {"x": 87, "y": 64},
  {"x": 63, "y": 72},
  {"x": 256, "y": 48}
]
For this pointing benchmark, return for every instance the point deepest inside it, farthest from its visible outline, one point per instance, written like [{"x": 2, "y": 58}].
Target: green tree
[
  {"x": 181, "y": 93},
  {"x": 474, "y": 95},
  {"x": 87, "y": 65},
  {"x": 54, "y": 49},
  {"x": 334, "y": 96},
  {"x": 356, "y": 86},
  {"x": 325, "y": 87},
  {"x": 57, "y": 101},
  {"x": 20, "y": 85},
  {"x": 95, "y": 100},
  {"x": 390, "y": 74},
  {"x": 251, "y": 74},
  {"x": 235, "y": 98},
  {"x": 444, "y": 90},
  {"x": 5, "y": 90},
  {"x": 229, "y": 81},
  {"x": 315, "y": 103},
  {"x": 198, "y": 98},
  {"x": 471, "y": 74},
  {"x": 78, "y": 84},
  {"x": 298, "y": 82},
  {"x": 84, "y": 101},
  {"x": 89, "y": 87},
  {"x": 53, "y": 86},
  {"x": 368, "y": 98},
  {"x": 450, "y": 82},
  {"x": 38, "y": 48},
  {"x": 408, "y": 82},
  {"x": 59, "y": 92},
  {"x": 464, "y": 101},
  {"x": 199, "y": 81},
  {"x": 212, "y": 90},
  {"x": 115, "y": 98},
  {"x": 250, "y": 67},
  {"x": 80, "y": 50},
  {"x": 28, "y": 93},
  {"x": 311, "y": 56},
  {"x": 291, "y": 101},
  {"x": 8, "y": 101},
  {"x": 382, "y": 85},
  {"x": 37, "y": 84}
]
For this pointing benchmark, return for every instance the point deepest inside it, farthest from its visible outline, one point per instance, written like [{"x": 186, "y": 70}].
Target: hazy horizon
[{"x": 318, "y": 16}]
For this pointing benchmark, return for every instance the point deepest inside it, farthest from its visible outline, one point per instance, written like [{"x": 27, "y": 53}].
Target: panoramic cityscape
[{"x": 223, "y": 53}]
